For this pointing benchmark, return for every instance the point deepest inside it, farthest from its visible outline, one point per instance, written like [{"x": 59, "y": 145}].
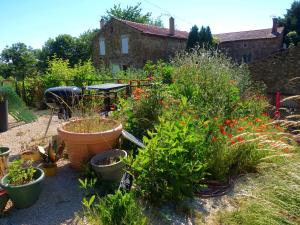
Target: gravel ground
[
  {"x": 60, "y": 200},
  {"x": 61, "y": 197}
]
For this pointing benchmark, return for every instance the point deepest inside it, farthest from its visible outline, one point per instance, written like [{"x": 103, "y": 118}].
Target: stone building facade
[
  {"x": 280, "y": 72},
  {"x": 249, "y": 46},
  {"x": 121, "y": 44}
]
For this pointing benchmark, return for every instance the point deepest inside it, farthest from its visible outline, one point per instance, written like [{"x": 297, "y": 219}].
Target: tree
[
  {"x": 291, "y": 22},
  {"x": 84, "y": 45},
  {"x": 202, "y": 38},
  {"x": 18, "y": 61},
  {"x": 193, "y": 38},
  {"x": 63, "y": 46},
  {"x": 69, "y": 48},
  {"x": 131, "y": 13}
]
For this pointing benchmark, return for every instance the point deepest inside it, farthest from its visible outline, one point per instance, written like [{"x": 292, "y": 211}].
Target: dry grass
[{"x": 90, "y": 125}]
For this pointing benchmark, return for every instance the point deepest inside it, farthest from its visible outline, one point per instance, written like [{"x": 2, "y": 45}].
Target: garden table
[{"x": 107, "y": 88}]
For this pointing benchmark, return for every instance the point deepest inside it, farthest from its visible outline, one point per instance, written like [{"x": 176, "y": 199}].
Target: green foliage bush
[
  {"x": 172, "y": 162},
  {"x": 118, "y": 208},
  {"x": 210, "y": 82}
]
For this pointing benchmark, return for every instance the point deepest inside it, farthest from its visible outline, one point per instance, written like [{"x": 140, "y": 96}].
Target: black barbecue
[{"x": 62, "y": 98}]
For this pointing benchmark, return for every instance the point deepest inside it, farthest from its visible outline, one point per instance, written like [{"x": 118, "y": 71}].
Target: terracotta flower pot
[
  {"x": 82, "y": 146},
  {"x": 4, "y": 153}
]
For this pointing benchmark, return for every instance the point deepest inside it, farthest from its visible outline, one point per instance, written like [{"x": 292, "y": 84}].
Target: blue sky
[{"x": 35, "y": 21}]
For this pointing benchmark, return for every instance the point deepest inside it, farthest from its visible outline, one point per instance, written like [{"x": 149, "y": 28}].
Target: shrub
[
  {"x": 160, "y": 70},
  {"x": 210, "y": 82},
  {"x": 113, "y": 209},
  {"x": 172, "y": 161},
  {"x": 140, "y": 112}
]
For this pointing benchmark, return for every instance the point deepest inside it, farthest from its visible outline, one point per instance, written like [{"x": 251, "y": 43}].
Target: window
[
  {"x": 247, "y": 58},
  {"x": 124, "y": 44},
  {"x": 102, "y": 46}
]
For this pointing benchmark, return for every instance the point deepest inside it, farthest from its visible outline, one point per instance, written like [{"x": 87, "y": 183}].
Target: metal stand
[{"x": 49, "y": 122}]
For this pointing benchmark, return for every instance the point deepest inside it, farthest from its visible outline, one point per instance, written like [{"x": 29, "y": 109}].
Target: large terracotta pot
[{"x": 82, "y": 146}]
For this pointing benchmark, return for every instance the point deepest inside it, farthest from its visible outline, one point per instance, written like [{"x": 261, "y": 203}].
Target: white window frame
[
  {"x": 124, "y": 44},
  {"x": 102, "y": 46}
]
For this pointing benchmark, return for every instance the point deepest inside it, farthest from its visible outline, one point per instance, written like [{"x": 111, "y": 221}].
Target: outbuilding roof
[{"x": 249, "y": 35}]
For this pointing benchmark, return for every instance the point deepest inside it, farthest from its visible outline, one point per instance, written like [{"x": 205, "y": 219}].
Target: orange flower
[
  {"x": 286, "y": 150},
  {"x": 230, "y": 135},
  {"x": 232, "y": 125},
  {"x": 258, "y": 120},
  {"x": 235, "y": 121},
  {"x": 182, "y": 123},
  {"x": 214, "y": 139},
  {"x": 240, "y": 129}
]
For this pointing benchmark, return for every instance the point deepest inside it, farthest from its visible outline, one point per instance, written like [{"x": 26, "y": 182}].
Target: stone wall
[
  {"x": 142, "y": 47},
  {"x": 258, "y": 49},
  {"x": 279, "y": 71}
]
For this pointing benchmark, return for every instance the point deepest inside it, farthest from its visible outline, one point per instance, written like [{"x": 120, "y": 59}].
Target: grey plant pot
[{"x": 112, "y": 172}]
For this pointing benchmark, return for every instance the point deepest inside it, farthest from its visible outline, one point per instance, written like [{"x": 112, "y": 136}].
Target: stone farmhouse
[
  {"x": 249, "y": 46},
  {"x": 121, "y": 44}
]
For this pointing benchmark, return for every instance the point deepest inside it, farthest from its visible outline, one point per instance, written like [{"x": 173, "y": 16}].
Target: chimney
[
  {"x": 171, "y": 26},
  {"x": 102, "y": 23},
  {"x": 275, "y": 25}
]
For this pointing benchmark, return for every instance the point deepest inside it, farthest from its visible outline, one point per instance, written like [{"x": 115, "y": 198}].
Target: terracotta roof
[
  {"x": 154, "y": 30},
  {"x": 248, "y": 35}
]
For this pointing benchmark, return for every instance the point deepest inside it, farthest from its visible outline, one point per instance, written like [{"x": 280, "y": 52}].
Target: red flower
[
  {"x": 214, "y": 139},
  {"x": 258, "y": 120},
  {"x": 232, "y": 125},
  {"x": 230, "y": 135},
  {"x": 240, "y": 139},
  {"x": 221, "y": 129},
  {"x": 228, "y": 122},
  {"x": 233, "y": 142}
]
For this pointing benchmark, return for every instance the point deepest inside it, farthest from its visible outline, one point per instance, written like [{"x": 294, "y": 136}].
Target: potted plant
[
  {"x": 4, "y": 153},
  {"x": 86, "y": 137},
  {"x": 108, "y": 165},
  {"x": 30, "y": 153},
  {"x": 50, "y": 155},
  {"x": 3, "y": 199},
  {"x": 23, "y": 183}
]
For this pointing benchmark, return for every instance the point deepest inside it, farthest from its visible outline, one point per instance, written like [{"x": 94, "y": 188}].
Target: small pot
[
  {"x": 31, "y": 155},
  {"x": 3, "y": 199},
  {"x": 50, "y": 169},
  {"x": 111, "y": 172},
  {"x": 4, "y": 153},
  {"x": 25, "y": 195}
]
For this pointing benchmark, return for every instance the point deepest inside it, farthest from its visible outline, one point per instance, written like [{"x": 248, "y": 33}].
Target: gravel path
[{"x": 61, "y": 197}]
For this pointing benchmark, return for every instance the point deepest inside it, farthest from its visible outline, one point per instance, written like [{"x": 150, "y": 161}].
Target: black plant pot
[{"x": 3, "y": 116}]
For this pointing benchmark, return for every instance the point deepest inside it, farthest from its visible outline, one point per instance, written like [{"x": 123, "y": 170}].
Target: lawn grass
[{"x": 274, "y": 195}]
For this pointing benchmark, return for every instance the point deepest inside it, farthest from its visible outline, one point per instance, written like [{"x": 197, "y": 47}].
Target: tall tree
[
  {"x": 193, "y": 38},
  {"x": 131, "y": 13},
  {"x": 291, "y": 22},
  {"x": 202, "y": 38},
  {"x": 18, "y": 61}
]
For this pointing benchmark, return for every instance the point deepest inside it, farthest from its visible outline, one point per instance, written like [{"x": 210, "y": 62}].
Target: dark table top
[{"x": 106, "y": 87}]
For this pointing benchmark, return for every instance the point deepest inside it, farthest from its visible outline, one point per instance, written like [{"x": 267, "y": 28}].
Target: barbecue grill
[{"x": 62, "y": 98}]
